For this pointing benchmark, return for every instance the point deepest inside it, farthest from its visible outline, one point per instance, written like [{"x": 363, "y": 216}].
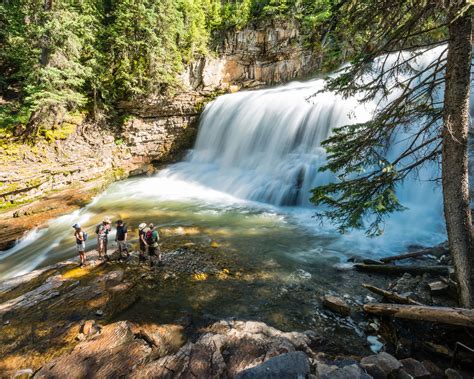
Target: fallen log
[
  {"x": 395, "y": 270},
  {"x": 390, "y": 295},
  {"x": 443, "y": 315},
  {"x": 414, "y": 254}
]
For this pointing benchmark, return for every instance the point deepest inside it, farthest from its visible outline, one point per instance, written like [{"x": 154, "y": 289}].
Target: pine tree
[{"x": 436, "y": 129}]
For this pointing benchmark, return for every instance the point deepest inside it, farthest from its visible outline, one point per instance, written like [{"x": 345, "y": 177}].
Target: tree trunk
[
  {"x": 455, "y": 161},
  {"x": 443, "y": 315},
  {"x": 391, "y": 295},
  {"x": 47, "y": 6},
  {"x": 396, "y": 270}
]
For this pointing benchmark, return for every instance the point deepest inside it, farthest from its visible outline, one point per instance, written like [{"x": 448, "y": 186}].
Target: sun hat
[
  {"x": 76, "y": 226},
  {"x": 142, "y": 226},
  {"x": 107, "y": 220}
]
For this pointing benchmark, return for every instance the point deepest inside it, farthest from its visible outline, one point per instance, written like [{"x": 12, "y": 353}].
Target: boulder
[
  {"x": 289, "y": 365},
  {"x": 114, "y": 352},
  {"x": 438, "y": 287},
  {"x": 452, "y": 374},
  {"x": 381, "y": 365},
  {"x": 89, "y": 327},
  {"x": 23, "y": 373},
  {"x": 433, "y": 369},
  {"x": 225, "y": 349},
  {"x": 353, "y": 371},
  {"x": 336, "y": 304},
  {"x": 113, "y": 278},
  {"x": 415, "y": 368}
]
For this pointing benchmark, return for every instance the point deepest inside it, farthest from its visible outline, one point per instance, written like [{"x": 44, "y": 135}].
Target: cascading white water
[{"x": 265, "y": 145}]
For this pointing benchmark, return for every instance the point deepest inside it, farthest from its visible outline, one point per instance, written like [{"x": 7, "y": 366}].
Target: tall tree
[
  {"x": 397, "y": 35},
  {"x": 454, "y": 156}
]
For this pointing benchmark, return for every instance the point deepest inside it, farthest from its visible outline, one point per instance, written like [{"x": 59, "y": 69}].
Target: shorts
[
  {"x": 122, "y": 245},
  {"x": 81, "y": 247},
  {"x": 153, "y": 250}
]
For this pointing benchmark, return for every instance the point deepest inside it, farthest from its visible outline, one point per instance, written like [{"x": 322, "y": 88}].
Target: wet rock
[
  {"x": 415, "y": 287},
  {"x": 44, "y": 292},
  {"x": 433, "y": 369},
  {"x": 227, "y": 348},
  {"x": 90, "y": 327},
  {"x": 352, "y": 371},
  {"x": 290, "y": 365},
  {"x": 113, "y": 278},
  {"x": 452, "y": 374},
  {"x": 336, "y": 304},
  {"x": 119, "y": 301},
  {"x": 112, "y": 353},
  {"x": 99, "y": 312},
  {"x": 166, "y": 339},
  {"x": 383, "y": 362},
  {"x": 438, "y": 287},
  {"x": 415, "y": 368},
  {"x": 22, "y": 374}
]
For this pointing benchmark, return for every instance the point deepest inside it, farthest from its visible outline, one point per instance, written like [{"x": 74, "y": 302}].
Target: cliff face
[
  {"x": 269, "y": 53},
  {"x": 158, "y": 129}
]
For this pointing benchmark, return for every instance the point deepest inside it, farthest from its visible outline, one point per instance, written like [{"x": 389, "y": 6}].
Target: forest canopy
[{"x": 69, "y": 56}]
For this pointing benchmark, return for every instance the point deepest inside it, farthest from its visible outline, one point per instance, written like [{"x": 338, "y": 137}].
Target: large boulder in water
[{"x": 290, "y": 365}]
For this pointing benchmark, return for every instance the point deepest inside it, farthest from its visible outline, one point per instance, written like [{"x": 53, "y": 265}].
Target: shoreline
[
  {"x": 17, "y": 221},
  {"x": 75, "y": 309}
]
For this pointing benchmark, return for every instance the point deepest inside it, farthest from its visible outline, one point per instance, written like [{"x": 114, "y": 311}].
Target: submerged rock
[
  {"x": 290, "y": 365},
  {"x": 336, "y": 304}
]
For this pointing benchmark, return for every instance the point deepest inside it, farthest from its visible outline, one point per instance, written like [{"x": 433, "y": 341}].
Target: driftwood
[
  {"x": 443, "y": 315},
  {"x": 392, "y": 269},
  {"x": 391, "y": 295},
  {"x": 414, "y": 254}
]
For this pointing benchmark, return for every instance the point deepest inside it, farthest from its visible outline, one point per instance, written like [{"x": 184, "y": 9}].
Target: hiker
[
  {"x": 102, "y": 230},
  {"x": 152, "y": 238},
  {"x": 141, "y": 239},
  {"x": 81, "y": 237},
  {"x": 121, "y": 239}
]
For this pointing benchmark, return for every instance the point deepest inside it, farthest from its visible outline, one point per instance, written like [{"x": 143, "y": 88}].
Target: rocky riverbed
[{"x": 124, "y": 319}]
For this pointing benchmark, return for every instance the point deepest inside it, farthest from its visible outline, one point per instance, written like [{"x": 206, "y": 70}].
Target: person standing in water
[
  {"x": 102, "y": 230},
  {"x": 80, "y": 237},
  {"x": 121, "y": 239},
  {"x": 141, "y": 239},
  {"x": 152, "y": 239}
]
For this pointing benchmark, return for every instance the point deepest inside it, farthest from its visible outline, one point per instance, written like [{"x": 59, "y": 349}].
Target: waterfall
[{"x": 265, "y": 145}]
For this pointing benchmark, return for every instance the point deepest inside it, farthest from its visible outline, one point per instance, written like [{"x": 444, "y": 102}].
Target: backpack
[
  {"x": 149, "y": 237},
  {"x": 97, "y": 229},
  {"x": 85, "y": 236}
]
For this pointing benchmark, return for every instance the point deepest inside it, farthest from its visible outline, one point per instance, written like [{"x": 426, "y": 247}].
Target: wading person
[
  {"x": 80, "y": 237},
  {"x": 141, "y": 240},
  {"x": 152, "y": 239},
  {"x": 102, "y": 230},
  {"x": 121, "y": 239}
]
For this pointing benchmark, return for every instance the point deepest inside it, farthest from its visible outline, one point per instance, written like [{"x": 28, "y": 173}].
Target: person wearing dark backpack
[
  {"x": 152, "y": 238},
  {"x": 121, "y": 239},
  {"x": 80, "y": 237},
  {"x": 102, "y": 230}
]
